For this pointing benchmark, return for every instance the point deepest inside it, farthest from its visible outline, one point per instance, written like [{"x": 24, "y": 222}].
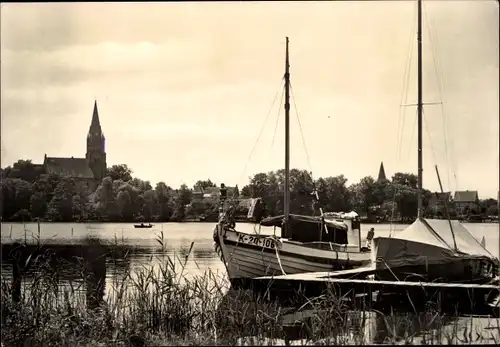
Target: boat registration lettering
[{"x": 258, "y": 241}]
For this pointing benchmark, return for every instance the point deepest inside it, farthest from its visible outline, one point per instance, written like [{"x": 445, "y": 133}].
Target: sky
[{"x": 184, "y": 89}]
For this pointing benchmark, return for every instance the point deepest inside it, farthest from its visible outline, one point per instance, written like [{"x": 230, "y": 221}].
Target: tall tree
[
  {"x": 106, "y": 199},
  {"x": 25, "y": 170},
  {"x": 119, "y": 172},
  {"x": 164, "y": 196},
  {"x": 405, "y": 179},
  {"x": 333, "y": 194},
  {"x": 60, "y": 207},
  {"x": 202, "y": 184}
]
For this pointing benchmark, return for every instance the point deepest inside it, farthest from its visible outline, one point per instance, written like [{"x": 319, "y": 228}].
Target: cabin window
[
  {"x": 356, "y": 224},
  {"x": 335, "y": 235}
]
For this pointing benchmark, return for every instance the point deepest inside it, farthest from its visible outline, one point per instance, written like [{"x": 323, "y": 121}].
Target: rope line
[
  {"x": 429, "y": 135},
  {"x": 277, "y": 243},
  {"x": 301, "y": 131},
  {"x": 278, "y": 117},
  {"x": 439, "y": 77},
  {"x": 412, "y": 135},
  {"x": 405, "y": 89},
  {"x": 402, "y": 108},
  {"x": 260, "y": 133}
]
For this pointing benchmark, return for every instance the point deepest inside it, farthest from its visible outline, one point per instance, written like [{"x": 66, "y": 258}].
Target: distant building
[
  {"x": 212, "y": 194},
  {"x": 438, "y": 202},
  {"x": 466, "y": 201},
  {"x": 87, "y": 172},
  {"x": 381, "y": 173},
  {"x": 245, "y": 202},
  {"x": 197, "y": 195}
]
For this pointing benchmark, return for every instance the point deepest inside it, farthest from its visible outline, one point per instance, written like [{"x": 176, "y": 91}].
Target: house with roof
[
  {"x": 438, "y": 203},
  {"x": 197, "y": 195},
  {"x": 87, "y": 172},
  {"x": 466, "y": 202},
  {"x": 212, "y": 194}
]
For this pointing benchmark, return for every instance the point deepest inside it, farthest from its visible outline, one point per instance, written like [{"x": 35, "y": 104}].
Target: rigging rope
[
  {"x": 301, "y": 132},
  {"x": 405, "y": 89},
  {"x": 410, "y": 148},
  {"x": 402, "y": 108},
  {"x": 260, "y": 133},
  {"x": 278, "y": 117},
  {"x": 429, "y": 135},
  {"x": 437, "y": 70},
  {"x": 315, "y": 192}
]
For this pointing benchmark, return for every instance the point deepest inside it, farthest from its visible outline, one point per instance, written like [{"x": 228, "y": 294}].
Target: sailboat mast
[
  {"x": 419, "y": 107},
  {"x": 287, "y": 141}
]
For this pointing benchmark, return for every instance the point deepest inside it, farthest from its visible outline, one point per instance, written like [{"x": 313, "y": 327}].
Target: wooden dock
[
  {"x": 325, "y": 276},
  {"x": 355, "y": 282},
  {"x": 333, "y": 277}
]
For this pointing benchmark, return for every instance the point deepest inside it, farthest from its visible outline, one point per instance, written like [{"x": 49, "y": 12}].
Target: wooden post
[
  {"x": 95, "y": 274},
  {"x": 16, "y": 272},
  {"x": 370, "y": 296}
]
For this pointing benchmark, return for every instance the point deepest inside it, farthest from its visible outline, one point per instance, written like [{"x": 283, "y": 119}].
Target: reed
[{"x": 162, "y": 305}]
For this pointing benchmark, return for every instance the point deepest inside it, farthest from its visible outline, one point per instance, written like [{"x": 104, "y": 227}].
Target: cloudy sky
[{"x": 184, "y": 89}]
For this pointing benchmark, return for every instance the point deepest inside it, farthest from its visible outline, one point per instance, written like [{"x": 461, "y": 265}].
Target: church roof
[{"x": 72, "y": 167}]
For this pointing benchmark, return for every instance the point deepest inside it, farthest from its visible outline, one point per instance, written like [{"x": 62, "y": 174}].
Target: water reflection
[
  {"x": 359, "y": 327},
  {"x": 94, "y": 267}
]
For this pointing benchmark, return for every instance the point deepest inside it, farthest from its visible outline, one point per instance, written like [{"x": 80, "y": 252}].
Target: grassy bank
[{"x": 163, "y": 306}]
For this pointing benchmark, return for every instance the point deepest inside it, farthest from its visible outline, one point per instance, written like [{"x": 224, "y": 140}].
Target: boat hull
[{"x": 248, "y": 256}]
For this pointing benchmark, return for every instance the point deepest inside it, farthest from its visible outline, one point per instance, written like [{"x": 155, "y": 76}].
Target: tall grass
[{"x": 161, "y": 305}]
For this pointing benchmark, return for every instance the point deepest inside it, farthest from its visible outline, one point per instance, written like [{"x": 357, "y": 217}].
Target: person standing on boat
[{"x": 369, "y": 237}]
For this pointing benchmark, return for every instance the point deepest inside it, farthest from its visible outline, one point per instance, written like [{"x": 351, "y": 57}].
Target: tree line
[{"x": 28, "y": 194}]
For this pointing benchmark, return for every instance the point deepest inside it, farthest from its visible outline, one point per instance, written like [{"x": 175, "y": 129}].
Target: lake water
[
  {"x": 177, "y": 239},
  {"x": 144, "y": 248}
]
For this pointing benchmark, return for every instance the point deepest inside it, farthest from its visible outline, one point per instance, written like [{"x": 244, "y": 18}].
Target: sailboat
[
  {"x": 432, "y": 249},
  {"x": 325, "y": 243}
]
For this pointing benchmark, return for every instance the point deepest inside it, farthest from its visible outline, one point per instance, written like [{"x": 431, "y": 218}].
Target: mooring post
[
  {"x": 95, "y": 274},
  {"x": 16, "y": 272},
  {"x": 370, "y": 295}
]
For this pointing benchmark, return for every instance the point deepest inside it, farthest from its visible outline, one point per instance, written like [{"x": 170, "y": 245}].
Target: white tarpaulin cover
[{"x": 427, "y": 241}]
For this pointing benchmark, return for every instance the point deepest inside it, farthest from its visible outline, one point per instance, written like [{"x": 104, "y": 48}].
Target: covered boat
[
  {"x": 430, "y": 249},
  {"x": 434, "y": 250}
]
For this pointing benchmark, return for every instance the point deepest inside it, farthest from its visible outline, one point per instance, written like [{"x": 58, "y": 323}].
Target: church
[{"x": 87, "y": 172}]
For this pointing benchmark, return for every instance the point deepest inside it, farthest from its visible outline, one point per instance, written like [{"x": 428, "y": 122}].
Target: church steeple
[
  {"x": 381, "y": 173},
  {"x": 95, "y": 125},
  {"x": 96, "y": 152}
]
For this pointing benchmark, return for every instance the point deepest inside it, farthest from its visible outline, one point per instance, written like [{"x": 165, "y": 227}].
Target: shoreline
[{"x": 212, "y": 222}]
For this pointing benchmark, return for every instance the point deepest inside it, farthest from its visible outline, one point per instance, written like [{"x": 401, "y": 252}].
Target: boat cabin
[{"x": 342, "y": 229}]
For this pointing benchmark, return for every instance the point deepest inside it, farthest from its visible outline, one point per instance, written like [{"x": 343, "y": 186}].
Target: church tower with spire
[
  {"x": 96, "y": 152},
  {"x": 381, "y": 173}
]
